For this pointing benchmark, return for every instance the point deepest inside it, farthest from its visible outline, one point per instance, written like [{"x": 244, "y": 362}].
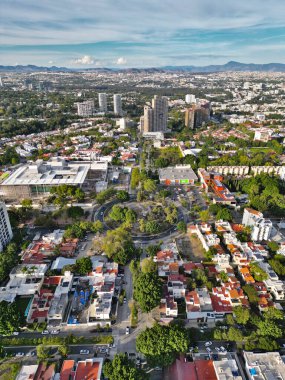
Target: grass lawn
[{"x": 263, "y": 149}]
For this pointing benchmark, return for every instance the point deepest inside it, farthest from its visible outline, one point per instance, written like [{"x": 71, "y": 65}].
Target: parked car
[
  {"x": 19, "y": 354},
  {"x": 15, "y": 333},
  {"x": 127, "y": 330},
  {"x": 84, "y": 352},
  {"x": 223, "y": 349},
  {"x": 217, "y": 349},
  {"x": 45, "y": 332},
  {"x": 54, "y": 332},
  {"x": 209, "y": 343},
  {"x": 31, "y": 353},
  {"x": 125, "y": 300},
  {"x": 208, "y": 350}
]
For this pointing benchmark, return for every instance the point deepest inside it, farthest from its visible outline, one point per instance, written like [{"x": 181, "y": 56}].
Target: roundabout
[{"x": 149, "y": 220}]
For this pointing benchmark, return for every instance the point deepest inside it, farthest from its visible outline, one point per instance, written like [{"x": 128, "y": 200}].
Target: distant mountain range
[{"x": 230, "y": 66}]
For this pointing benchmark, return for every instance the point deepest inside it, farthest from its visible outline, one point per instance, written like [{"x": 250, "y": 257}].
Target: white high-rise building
[
  {"x": 102, "y": 102},
  {"x": 6, "y": 233},
  {"x": 117, "y": 104},
  {"x": 260, "y": 228},
  {"x": 189, "y": 98},
  {"x": 85, "y": 108}
]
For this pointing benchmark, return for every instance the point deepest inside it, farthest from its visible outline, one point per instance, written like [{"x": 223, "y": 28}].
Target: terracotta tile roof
[{"x": 66, "y": 370}]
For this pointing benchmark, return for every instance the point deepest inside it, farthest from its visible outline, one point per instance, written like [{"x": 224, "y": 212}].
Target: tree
[
  {"x": 204, "y": 215},
  {"x": 273, "y": 313},
  {"x": 123, "y": 196},
  {"x": 83, "y": 265},
  {"x": 118, "y": 246},
  {"x": 10, "y": 318},
  {"x": 122, "y": 368},
  {"x": 135, "y": 178},
  {"x": 117, "y": 213},
  {"x": 278, "y": 264},
  {"x": 63, "y": 350},
  {"x": 149, "y": 186},
  {"x": 182, "y": 226},
  {"x": 224, "y": 214},
  {"x": 148, "y": 291},
  {"x": 258, "y": 273},
  {"x": 224, "y": 276},
  {"x": 148, "y": 265},
  {"x": 27, "y": 203},
  {"x": 75, "y": 212},
  {"x": 171, "y": 213},
  {"x": 152, "y": 227},
  {"x": 269, "y": 328},
  {"x": 273, "y": 246},
  {"x": 161, "y": 344},
  {"x": 251, "y": 293},
  {"x": 130, "y": 217},
  {"x": 79, "y": 195},
  {"x": 241, "y": 314},
  {"x": 152, "y": 250},
  {"x": 235, "y": 335},
  {"x": 43, "y": 352}
]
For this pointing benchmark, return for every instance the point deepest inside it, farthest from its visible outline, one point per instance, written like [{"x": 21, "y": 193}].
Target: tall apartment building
[
  {"x": 260, "y": 228},
  {"x": 6, "y": 233},
  {"x": 102, "y": 97},
  {"x": 117, "y": 104},
  {"x": 197, "y": 115},
  {"x": 189, "y": 98},
  {"x": 155, "y": 117},
  {"x": 85, "y": 108}
]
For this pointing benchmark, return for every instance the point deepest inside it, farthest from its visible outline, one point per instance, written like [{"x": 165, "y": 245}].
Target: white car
[
  {"x": 217, "y": 349},
  {"x": 207, "y": 344},
  {"x": 127, "y": 330},
  {"x": 45, "y": 332},
  {"x": 223, "y": 349},
  {"x": 208, "y": 349},
  {"x": 31, "y": 353},
  {"x": 19, "y": 354},
  {"x": 54, "y": 332},
  {"x": 84, "y": 352},
  {"x": 15, "y": 333}
]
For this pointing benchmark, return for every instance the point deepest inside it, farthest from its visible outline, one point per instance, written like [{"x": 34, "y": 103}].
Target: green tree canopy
[
  {"x": 118, "y": 246},
  {"x": 123, "y": 196},
  {"x": 241, "y": 314},
  {"x": 148, "y": 265},
  {"x": 75, "y": 212},
  {"x": 148, "y": 291},
  {"x": 161, "y": 344},
  {"x": 83, "y": 266},
  {"x": 149, "y": 185},
  {"x": 10, "y": 318},
  {"x": 122, "y": 368}
]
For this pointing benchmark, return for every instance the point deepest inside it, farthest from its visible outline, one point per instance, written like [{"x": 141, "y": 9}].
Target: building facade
[
  {"x": 117, "y": 104},
  {"x": 102, "y": 97},
  {"x": 155, "y": 117},
  {"x": 85, "y": 108},
  {"x": 6, "y": 233}
]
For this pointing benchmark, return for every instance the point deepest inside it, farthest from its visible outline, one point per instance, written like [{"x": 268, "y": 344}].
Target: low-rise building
[
  {"x": 263, "y": 366},
  {"x": 177, "y": 175}
]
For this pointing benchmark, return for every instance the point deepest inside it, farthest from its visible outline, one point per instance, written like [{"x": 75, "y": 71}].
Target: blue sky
[{"x": 141, "y": 33}]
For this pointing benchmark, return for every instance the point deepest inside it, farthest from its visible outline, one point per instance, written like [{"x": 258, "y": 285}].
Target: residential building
[
  {"x": 227, "y": 369},
  {"x": 25, "y": 280},
  {"x": 83, "y": 369},
  {"x": 190, "y": 98},
  {"x": 168, "y": 307},
  {"x": 117, "y": 104},
  {"x": 6, "y": 233},
  {"x": 155, "y": 117},
  {"x": 199, "y": 305},
  {"x": 261, "y": 228},
  {"x": 102, "y": 97},
  {"x": 197, "y": 115},
  {"x": 27, "y": 372},
  {"x": 264, "y": 366},
  {"x": 85, "y": 108}
]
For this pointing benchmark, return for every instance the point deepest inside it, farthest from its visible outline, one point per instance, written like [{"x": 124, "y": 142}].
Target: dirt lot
[{"x": 191, "y": 248}]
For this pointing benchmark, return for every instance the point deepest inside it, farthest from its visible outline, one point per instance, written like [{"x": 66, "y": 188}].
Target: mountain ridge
[{"x": 229, "y": 66}]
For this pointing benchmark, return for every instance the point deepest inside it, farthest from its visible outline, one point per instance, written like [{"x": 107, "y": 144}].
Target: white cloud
[
  {"x": 121, "y": 61},
  {"x": 50, "y": 62},
  {"x": 85, "y": 60}
]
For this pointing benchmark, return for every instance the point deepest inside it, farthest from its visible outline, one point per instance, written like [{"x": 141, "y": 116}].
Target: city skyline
[{"x": 136, "y": 34}]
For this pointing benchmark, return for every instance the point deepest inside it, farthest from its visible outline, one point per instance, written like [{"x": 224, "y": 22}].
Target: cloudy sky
[{"x": 141, "y": 33}]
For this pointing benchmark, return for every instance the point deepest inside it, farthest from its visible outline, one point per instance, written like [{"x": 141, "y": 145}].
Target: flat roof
[
  {"x": 52, "y": 172},
  {"x": 177, "y": 172}
]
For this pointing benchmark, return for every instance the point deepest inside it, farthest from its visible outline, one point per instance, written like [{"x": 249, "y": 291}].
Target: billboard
[{"x": 184, "y": 181}]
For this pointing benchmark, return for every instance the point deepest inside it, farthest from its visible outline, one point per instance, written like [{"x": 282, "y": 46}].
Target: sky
[{"x": 141, "y": 33}]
